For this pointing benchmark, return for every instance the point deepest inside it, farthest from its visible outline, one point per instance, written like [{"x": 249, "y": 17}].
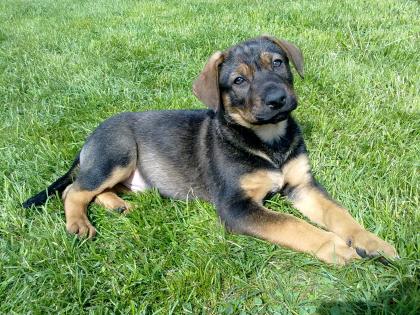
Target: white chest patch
[
  {"x": 271, "y": 132},
  {"x": 136, "y": 182}
]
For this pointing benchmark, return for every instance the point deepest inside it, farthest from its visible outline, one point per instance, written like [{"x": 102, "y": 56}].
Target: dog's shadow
[{"x": 403, "y": 298}]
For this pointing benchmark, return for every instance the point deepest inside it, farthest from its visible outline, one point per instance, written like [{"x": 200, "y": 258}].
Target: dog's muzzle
[{"x": 277, "y": 106}]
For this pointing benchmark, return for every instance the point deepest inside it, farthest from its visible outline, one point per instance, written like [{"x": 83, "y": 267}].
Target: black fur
[{"x": 57, "y": 187}]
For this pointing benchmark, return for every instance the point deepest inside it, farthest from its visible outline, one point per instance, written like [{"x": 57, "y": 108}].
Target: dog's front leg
[
  {"x": 319, "y": 208},
  {"x": 250, "y": 218},
  {"x": 314, "y": 203}
]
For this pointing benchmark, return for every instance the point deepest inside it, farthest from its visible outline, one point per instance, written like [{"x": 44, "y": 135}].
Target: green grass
[{"x": 67, "y": 65}]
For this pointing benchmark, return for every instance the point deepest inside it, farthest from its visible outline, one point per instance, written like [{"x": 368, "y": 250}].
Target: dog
[{"x": 245, "y": 147}]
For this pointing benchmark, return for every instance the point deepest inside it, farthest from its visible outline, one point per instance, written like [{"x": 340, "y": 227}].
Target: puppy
[{"x": 245, "y": 147}]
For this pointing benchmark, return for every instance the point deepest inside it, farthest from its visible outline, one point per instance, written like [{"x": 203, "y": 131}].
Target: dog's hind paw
[{"x": 81, "y": 227}]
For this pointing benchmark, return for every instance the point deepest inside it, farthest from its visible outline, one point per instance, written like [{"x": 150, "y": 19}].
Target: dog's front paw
[
  {"x": 336, "y": 251},
  {"x": 368, "y": 244},
  {"x": 80, "y": 226}
]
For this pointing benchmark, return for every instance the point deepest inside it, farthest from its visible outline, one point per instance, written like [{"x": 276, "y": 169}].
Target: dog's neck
[
  {"x": 270, "y": 133},
  {"x": 267, "y": 133}
]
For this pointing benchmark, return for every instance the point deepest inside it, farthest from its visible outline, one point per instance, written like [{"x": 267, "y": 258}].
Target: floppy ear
[
  {"x": 293, "y": 53},
  {"x": 206, "y": 86}
]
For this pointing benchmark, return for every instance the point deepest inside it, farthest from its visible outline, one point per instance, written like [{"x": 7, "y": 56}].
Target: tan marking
[
  {"x": 372, "y": 244},
  {"x": 75, "y": 206},
  {"x": 293, "y": 53},
  {"x": 64, "y": 194},
  {"x": 297, "y": 171},
  {"x": 319, "y": 208},
  {"x": 261, "y": 155},
  {"x": 243, "y": 116},
  {"x": 236, "y": 114},
  {"x": 314, "y": 204},
  {"x": 266, "y": 59},
  {"x": 118, "y": 175},
  {"x": 258, "y": 184},
  {"x": 120, "y": 189},
  {"x": 325, "y": 212},
  {"x": 237, "y": 117},
  {"x": 226, "y": 101},
  {"x": 294, "y": 233},
  {"x": 110, "y": 200},
  {"x": 76, "y": 201},
  {"x": 244, "y": 70},
  {"x": 270, "y": 132}
]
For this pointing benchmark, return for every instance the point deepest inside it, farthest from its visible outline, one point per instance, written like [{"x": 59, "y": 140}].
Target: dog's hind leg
[
  {"x": 76, "y": 201},
  {"x": 108, "y": 158},
  {"x": 78, "y": 196},
  {"x": 110, "y": 200}
]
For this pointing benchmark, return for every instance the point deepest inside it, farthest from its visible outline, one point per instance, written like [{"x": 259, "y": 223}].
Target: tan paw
[
  {"x": 111, "y": 201},
  {"x": 81, "y": 226},
  {"x": 120, "y": 207},
  {"x": 368, "y": 244},
  {"x": 126, "y": 208},
  {"x": 335, "y": 251}
]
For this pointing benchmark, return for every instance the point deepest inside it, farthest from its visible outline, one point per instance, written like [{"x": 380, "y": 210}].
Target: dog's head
[{"x": 251, "y": 82}]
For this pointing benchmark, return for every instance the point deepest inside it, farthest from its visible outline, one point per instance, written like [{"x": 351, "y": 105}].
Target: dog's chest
[{"x": 259, "y": 184}]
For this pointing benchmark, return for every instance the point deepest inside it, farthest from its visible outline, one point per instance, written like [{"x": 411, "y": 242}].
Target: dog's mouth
[
  {"x": 273, "y": 117},
  {"x": 272, "y": 120},
  {"x": 263, "y": 117}
]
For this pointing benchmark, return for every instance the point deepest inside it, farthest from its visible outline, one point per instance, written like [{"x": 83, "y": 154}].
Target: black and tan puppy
[{"x": 244, "y": 147}]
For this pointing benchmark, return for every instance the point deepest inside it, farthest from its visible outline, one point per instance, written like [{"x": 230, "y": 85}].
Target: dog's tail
[{"x": 58, "y": 186}]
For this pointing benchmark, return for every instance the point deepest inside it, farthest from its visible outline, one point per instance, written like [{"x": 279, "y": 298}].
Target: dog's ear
[
  {"x": 293, "y": 53},
  {"x": 206, "y": 87}
]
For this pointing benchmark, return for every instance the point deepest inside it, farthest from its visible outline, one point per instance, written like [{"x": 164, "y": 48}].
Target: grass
[{"x": 67, "y": 65}]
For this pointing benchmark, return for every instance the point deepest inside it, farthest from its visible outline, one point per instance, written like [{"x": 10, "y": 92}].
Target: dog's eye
[
  {"x": 239, "y": 80},
  {"x": 277, "y": 63}
]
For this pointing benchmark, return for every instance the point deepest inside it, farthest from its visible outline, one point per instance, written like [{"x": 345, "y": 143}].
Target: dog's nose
[{"x": 276, "y": 99}]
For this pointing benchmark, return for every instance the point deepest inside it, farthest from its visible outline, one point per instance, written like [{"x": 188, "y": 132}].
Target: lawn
[{"x": 67, "y": 65}]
